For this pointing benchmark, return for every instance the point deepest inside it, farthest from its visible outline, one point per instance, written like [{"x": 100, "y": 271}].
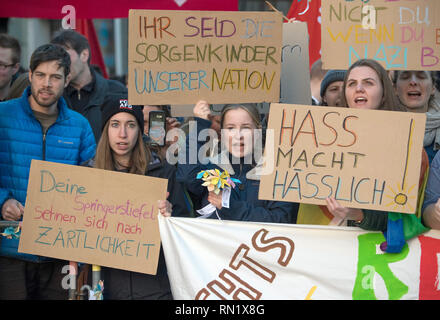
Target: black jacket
[
  {"x": 128, "y": 285},
  {"x": 92, "y": 112}
]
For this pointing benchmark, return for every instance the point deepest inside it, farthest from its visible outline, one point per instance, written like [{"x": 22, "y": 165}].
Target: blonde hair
[{"x": 140, "y": 156}]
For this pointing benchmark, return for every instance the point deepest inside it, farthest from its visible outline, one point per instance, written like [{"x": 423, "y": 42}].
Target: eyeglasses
[{"x": 5, "y": 66}]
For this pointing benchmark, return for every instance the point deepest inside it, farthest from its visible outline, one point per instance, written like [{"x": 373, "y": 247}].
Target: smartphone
[{"x": 156, "y": 128}]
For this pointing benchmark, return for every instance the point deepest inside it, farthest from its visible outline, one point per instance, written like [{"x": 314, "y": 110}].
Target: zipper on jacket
[
  {"x": 44, "y": 139},
  {"x": 44, "y": 144}
]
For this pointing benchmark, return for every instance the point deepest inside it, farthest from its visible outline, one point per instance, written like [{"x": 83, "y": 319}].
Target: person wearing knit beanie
[
  {"x": 118, "y": 103},
  {"x": 121, "y": 148},
  {"x": 331, "y": 88}
]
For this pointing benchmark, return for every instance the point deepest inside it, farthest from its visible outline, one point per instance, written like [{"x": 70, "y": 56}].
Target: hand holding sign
[
  {"x": 12, "y": 210},
  {"x": 342, "y": 212},
  {"x": 165, "y": 207}
]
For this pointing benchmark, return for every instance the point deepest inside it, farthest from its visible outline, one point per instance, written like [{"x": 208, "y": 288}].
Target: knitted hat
[
  {"x": 330, "y": 77},
  {"x": 114, "y": 104}
]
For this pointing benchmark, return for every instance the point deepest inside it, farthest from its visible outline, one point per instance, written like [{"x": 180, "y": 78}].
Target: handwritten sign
[
  {"x": 400, "y": 34},
  {"x": 93, "y": 216},
  {"x": 180, "y": 57},
  {"x": 363, "y": 158}
]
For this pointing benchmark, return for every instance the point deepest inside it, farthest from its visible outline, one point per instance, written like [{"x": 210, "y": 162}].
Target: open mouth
[
  {"x": 122, "y": 145},
  {"x": 414, "y": 94},
  {"x": 360, "y": 100}
]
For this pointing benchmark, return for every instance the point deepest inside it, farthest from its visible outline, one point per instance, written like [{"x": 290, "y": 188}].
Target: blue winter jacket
[
  {"x": 69, "y": 140},
  {"x": 244, "y": 204}
]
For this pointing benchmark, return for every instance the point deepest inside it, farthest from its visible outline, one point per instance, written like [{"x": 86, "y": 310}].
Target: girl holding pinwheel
[{"x": 225, "y": 184}]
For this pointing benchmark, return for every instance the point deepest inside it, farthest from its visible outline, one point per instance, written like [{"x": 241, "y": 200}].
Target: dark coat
[{"x": 128, "y": 285}]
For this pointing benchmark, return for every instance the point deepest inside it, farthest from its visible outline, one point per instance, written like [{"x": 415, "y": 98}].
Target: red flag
[
  {"x": 309, "y": 11},
  {"x": 87, "y": 29}
]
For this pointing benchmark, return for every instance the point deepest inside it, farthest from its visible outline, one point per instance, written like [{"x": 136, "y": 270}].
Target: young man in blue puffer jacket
[{"x": 38, "y": 125}]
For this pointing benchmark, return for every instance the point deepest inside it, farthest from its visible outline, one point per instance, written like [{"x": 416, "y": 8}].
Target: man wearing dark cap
[{"x": 38, "y": 125}]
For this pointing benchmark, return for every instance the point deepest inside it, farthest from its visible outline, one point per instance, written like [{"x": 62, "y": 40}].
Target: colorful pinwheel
[
  {"x": 11, "y": 232},
  {"x": 215, "y": 180}
]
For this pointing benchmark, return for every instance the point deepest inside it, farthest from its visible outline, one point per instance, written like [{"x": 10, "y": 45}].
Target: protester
[
  {"x": 121, "y": 148},
  {"x": 367, "y": 86},
  {"x": 417, "y": 93},
  {"x": 38, "y": 125},
  {"x": 10, "y": 52},
  {"x": 87, "y": 88},
  {"x": 431, "y": 205},
  {"x": 331, "y": 88},
  {"x": 240, "y": 124}
]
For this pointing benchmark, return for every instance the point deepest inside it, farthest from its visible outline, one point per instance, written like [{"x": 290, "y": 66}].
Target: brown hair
[
  {"x": 389, "y": 99},
  {"x": 6, "y": 41},
  {"x": 140, "y": 156},
  {"x": 73, "y": 40}
]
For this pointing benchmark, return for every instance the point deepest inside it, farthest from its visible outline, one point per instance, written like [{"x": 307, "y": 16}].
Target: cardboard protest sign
[
  {"x": 180, "y": 57},
  {"x": 93, "y": 216},
  {"x": 363, "y": 158},
  {"x": 295, "y": 74},
  {"x": 401, "y": 35},
  {"x": 264, "y": 261}
]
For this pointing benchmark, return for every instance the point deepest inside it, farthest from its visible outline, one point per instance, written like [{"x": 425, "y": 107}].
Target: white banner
[{"x": 211, "y": 259}]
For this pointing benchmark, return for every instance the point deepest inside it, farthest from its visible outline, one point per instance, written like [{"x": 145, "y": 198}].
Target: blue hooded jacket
[{"x": 69, "y": 140}]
